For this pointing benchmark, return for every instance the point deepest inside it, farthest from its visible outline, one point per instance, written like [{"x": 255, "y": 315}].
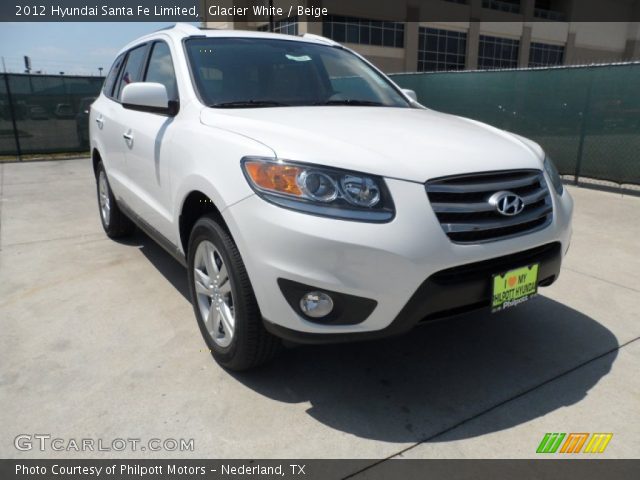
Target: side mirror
[
  {"x": 148, "y": 97},
  {"x": 410, "y": 93}
]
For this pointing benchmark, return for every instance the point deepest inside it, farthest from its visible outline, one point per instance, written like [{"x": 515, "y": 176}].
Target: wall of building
[{"x": 582, "y": 42}]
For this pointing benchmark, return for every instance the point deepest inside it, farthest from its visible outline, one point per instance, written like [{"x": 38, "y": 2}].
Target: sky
[{"x": 73, "y": 48}]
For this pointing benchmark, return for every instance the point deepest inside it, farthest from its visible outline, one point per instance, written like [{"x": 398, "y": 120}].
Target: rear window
[{"x": 110, "y": 81}]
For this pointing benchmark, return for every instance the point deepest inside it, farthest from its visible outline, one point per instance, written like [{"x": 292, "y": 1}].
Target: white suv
[{"x": 310, "y": 198}]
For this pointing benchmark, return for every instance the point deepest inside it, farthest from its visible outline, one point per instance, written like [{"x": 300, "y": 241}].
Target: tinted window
[
  {"x": 132, "y": 71},
  {"x": 160, "y": 69},
  {"x": 231, "y": 70},
  {"x": 441, "y": 50},
  {"x": 110, "y": 81},
  {"x": 363, "y": 31},
  {"x": 497, "y": 52},
  {"x": 541, "y": 54}
]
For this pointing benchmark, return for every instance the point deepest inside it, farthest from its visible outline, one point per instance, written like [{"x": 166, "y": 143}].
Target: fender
[{"x": 192, "y": 174}]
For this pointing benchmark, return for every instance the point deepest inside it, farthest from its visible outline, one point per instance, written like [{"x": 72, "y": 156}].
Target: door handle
[
  {"x": 99, "y": 121},
  {"x": 128, "y": 137}
]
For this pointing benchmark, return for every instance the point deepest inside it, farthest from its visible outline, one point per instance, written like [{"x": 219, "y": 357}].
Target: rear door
[{"x": 105, "y": 133}]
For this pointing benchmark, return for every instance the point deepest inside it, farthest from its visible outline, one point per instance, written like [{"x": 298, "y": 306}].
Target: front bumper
[
  {"x": 444, "y": 294},
  {"x": 409, "y": 267}
]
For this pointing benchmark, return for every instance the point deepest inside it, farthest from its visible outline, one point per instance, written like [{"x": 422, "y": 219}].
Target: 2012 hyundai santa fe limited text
[{"x": 310, "y": 198}]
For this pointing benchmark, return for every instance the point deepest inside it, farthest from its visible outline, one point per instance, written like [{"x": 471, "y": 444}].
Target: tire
[
  {"x": 226, "y": 303},
  {"x": 114, "y": 222}
]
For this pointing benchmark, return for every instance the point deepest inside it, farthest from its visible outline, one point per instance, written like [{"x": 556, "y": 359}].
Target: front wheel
[{"x": 223, "y": 300}]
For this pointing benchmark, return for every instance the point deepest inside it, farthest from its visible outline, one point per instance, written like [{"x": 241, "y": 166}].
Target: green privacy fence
[
  {"x": 586, "y": 118},
  {"x": 45, "y": 113}
]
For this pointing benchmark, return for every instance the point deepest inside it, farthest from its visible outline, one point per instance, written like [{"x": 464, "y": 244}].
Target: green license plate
[{"x": 514, "y": 287}]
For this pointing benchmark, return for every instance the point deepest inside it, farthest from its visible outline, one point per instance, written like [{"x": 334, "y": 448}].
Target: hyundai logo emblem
[{"x": 507, "y": 203}]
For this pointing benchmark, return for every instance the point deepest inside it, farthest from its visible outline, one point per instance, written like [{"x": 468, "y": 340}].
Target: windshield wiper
[
  {"x": 351, "y": 101},
  {"x": 249, "y": 104}
]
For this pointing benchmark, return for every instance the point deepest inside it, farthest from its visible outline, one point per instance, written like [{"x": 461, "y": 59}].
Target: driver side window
[
  {"x": 132, "y": 71},
  {"x": 160, "y": 69}
]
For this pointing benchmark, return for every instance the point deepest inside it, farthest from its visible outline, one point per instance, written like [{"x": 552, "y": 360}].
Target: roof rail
[
  {"x": 319, "y": 38},
  {"x": 187, "y": 28}
]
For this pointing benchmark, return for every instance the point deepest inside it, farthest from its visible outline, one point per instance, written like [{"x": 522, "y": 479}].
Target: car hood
[{"x": 405, "y": 143}]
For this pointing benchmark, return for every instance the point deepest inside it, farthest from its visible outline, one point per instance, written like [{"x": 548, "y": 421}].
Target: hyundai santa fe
[{"x": 310, "y": 198}]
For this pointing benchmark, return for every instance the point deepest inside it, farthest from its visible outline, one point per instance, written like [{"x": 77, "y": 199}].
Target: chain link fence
[
  {"x": 586, "y": 118},
  {"x": 45, "y": 114}
]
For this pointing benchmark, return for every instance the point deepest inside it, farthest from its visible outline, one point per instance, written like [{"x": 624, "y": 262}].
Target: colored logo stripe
[
  {"x": 598, "y": 442},
  {"x": 574, "y": 443},
  {"x": 550, "y": 443}
]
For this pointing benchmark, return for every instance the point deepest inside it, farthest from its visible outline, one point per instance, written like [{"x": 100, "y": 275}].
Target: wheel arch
[
  {"x": 95, "y": 159},
  {"x": 194, "y": 205}
]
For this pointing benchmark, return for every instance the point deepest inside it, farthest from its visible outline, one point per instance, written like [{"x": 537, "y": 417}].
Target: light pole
[
  {"x": 100, "y": 70},
  {"x": 271, "y": 24}
]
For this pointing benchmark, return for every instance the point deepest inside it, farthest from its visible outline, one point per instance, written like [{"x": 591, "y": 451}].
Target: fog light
[{"x": 316, "y": 304}]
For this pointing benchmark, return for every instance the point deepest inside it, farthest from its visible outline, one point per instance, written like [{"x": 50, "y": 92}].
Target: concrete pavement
[{"x": 99, "y": 340}]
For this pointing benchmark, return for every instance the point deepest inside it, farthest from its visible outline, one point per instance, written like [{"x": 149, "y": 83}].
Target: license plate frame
[{"x": 514, "y": 287}]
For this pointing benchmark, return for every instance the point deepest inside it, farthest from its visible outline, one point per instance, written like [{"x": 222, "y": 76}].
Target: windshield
[{"x": 248, "y": 72}]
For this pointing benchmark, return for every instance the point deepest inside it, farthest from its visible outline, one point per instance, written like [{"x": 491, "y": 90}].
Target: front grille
[{"x": 462, "y": 207}]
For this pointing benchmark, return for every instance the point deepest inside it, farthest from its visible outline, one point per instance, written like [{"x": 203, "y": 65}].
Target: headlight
[
  {"x": 317, "y": 190},
  {"x": 554, "y": 175}
]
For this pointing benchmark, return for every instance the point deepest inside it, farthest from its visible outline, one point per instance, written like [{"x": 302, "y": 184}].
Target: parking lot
[{"x": 99, "y": 340}]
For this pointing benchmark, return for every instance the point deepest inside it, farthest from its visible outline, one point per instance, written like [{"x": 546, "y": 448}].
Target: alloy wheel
[
  {"x": 214, "y": 293},
  {"x": 103, "y": 197}
]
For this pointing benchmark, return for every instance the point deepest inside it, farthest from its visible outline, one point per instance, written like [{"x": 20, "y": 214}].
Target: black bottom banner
[{"x": 585, "y": 469}]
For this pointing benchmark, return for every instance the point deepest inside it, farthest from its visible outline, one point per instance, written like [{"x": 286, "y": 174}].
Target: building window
[
  {"x": 496, "y": 52},
  {"x": 363, "y": 31},
  {"x": 441, "y": 50},
  {"x": 543, "y": 55},
  {"x": 548, "y": 10},
  {"x": 288, "y": 26},
  {"x": 510, "y": 6}
]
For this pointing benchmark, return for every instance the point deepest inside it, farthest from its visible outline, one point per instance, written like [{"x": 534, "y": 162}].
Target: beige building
[{"x": 529, "y": 33}]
